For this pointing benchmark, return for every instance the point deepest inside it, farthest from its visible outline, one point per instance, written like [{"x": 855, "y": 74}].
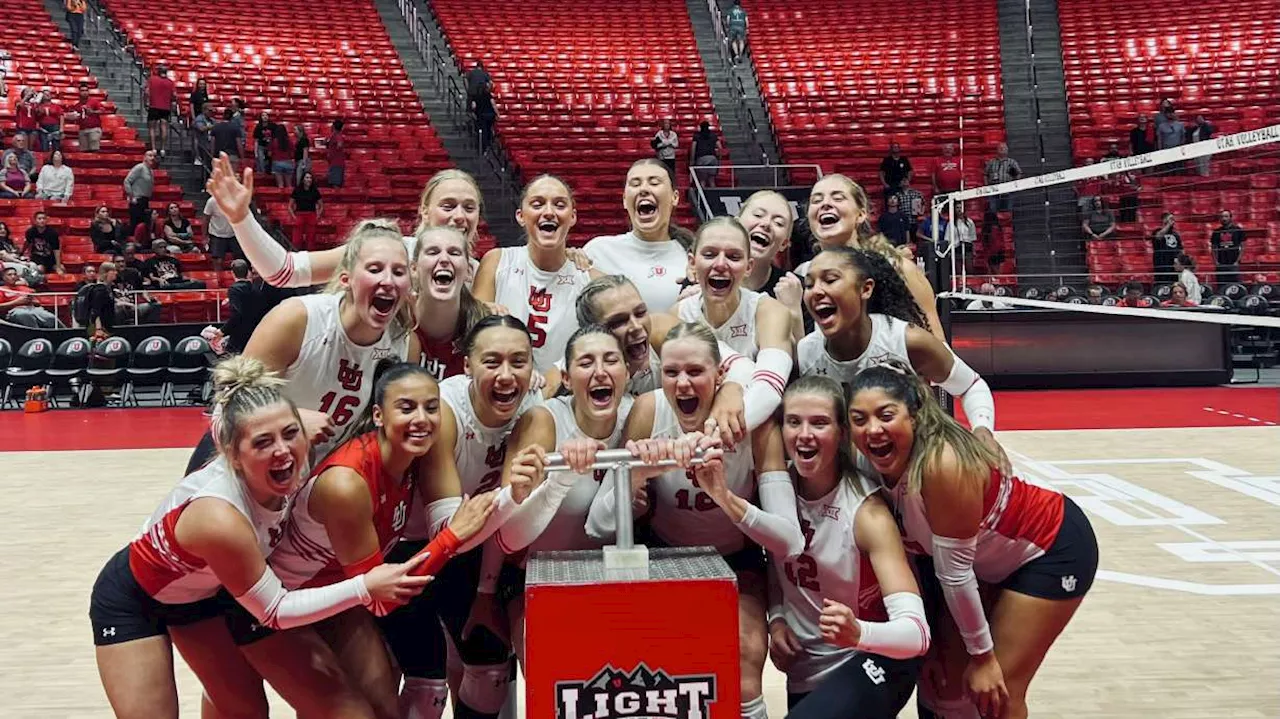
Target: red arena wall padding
[{"x": 664, "y": 647}]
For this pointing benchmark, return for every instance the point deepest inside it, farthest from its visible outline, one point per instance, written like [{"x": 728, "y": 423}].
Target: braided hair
[{"x": 890, "y": 295}]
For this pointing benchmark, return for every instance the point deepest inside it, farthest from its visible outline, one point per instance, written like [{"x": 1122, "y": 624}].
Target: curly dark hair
[{"x": 890, "y": 295}]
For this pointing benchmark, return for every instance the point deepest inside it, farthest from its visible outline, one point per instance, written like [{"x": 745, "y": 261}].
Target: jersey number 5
[
  {"x": 536, "y": 330},
  {"x": 343, "y": 410}
]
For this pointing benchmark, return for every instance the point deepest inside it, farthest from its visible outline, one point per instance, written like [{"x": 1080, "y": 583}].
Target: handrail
[
  {"x": 67, "y": 299},
  {"x": 707, "y": 213}
]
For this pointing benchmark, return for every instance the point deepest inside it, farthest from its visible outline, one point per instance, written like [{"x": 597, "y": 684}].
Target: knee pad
[
  {"x": 484, "y": 687},
  {"x": 423, "y": 698},
  {"x": 754, "y": 709}
]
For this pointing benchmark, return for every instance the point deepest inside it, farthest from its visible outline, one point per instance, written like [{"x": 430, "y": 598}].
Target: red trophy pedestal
[{"x": 665, "y": 647}]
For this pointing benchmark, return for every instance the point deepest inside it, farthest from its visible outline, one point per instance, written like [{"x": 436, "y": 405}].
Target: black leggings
[
  {"x": 867, "y": 686},
  {"x": 414, "y": 630}
]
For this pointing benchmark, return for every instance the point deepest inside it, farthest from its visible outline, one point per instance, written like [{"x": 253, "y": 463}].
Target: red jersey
[
  {"x": 947, "y": 174},
  {"x": 89, "y": 113},
  {"x": 442, "y": 358},
  {"x": 160, "y": 93},
  {"x": 305, "y": 558}
]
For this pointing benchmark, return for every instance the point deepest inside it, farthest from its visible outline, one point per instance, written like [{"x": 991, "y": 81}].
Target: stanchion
[{"x": 628, "y": 632}]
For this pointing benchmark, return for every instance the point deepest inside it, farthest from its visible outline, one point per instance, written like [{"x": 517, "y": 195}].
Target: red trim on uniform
[
  {"x": 285, "y": 273},
  {"x": 924, "y": 633},
  {"x": 156, "y": 559},
  {"x": 364, "y": 565},
  {"x": 1031, "y": 513},
  {"x": 773, "y": 379}
]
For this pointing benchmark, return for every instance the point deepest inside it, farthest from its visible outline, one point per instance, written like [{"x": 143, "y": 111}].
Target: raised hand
[{"x": 232, "y": 195}]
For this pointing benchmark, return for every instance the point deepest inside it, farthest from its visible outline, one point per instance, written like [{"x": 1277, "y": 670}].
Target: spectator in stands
[
  {"x": 75, "y": 19},
  {"x": 25, "y": 116},
  {"x": 486, "y": 117},
  {"x": 1170, "y": 131},
  {"x": 89, "y": 113},
  {"x": 199, "y": 98},
  {"x": 202, "y": 125},
  {"x": 220, "y": 238},
  {"x": 912, "y": 204},
  {"x": 923, "y": 236},
  {"x": 1000, "y": 168},
  {"x": 107, "y": 235},
  {"x": 148, "y": 232},
  {"x": 703, "y": 155},
  {"x": 946, "y": 175},
  {"x": 305, "y": 208},
  {"x": 962, "y": 234},
  {"x": 249, "y": 300},
  {"x": 1166, "y": 245},
  {"x": 165, "y": 271},
  {"x": 894, "y": 223},
  {"x": 138, "y": 186},
  {"x": 26, "y": 158},
  {"x": 1126, "y": 186},
  {"x": 989, "y": 290},
  {"x": 160, "y": 101},
  {"x": 665, "y": 142},
  {"x": 281, "y": 155},
  {"x": 301, "y": 153},
  {"x": 177, "y": 229},
  {"x": 52, "y": 119},
  {"x": 1132, "y": 295},
  {"x": 16, "y": 182},
  {"x": 18, "y": 304},
  {"x": 478, "y": 80},
  {"x": 6, "y": 64},
  {"x": 56, "y": 181},
  {"x": 132, "y": 305},
  {"x": 1101, "y": 223},
  {"x": 1113, "y": 152},
  {"x": 335, "y": 153},
  {"x": 1087, "y": 190},
  {"x": 737, "y": 22},
  {"x": 42, "y": 245},
  {"x": 1093, "y": 295},
  {"x": 894, "y": 168},
  {"x": 10, "y": 257},
  {"x": 1142, "y": 138},
  {"x": 1227, "y": 241},
  {"x": 1201, "y": 131},
  {"x": 1186, "y": 268},
  {"x": 238, "y": 112},
  {"x": 89, "y": 277},
  {"x": 262, "y": 142},
  {"x": 227, "y": 137},
  {"x": 1178, "y": 297},
  {"x": 91, "y": 298}
]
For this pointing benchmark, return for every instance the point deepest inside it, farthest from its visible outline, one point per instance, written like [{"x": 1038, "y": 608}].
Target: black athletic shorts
[
  {"x": 155, "y": 114},
  {"x": 242, "y": 625},
  {"x": 122, "y": 611},
  {"x": 867, "y": 686},
  {"x": 1067, "y": 569},
  {"x": 414, "y": 631}
]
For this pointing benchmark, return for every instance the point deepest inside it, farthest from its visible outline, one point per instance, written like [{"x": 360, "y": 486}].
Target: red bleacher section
[
  {"x": 42, "y": 58},
  {"x": 1214, "y": 61},
  {"x": 844, "y": 80},
  {"x": 308, "y": 63},
  {"x": 582, "y": 94}
]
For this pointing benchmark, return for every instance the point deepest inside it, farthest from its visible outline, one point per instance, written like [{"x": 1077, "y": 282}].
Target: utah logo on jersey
[
  {"x": 539, "y": 299},
  {"x": 350, "y": 376},
  {"x": 615, "y": 694},
  {"x": 495, "y": 455}
]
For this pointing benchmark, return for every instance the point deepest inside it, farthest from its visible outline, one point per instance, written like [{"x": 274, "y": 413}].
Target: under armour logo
[
  {"x": 470, "y": 435},
  {"x": 1069, "y": 583},
  {"x": 874, "y": 673},
  {"x": 108, "y": 631}
]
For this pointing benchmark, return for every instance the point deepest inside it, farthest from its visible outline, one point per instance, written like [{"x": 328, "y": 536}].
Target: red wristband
[
  {"x": 444, "y": 546},
  {"x": 362, "y": 566}
]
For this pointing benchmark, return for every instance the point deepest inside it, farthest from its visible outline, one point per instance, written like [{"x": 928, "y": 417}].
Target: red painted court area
[{"x": 1020, "y": 410}]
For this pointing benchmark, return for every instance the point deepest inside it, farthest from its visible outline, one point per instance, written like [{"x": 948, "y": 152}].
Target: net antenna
[{"x": 944, "y": 205}]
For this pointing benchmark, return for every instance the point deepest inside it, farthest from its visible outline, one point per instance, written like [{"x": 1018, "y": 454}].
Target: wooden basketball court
[{"x": 1183, "y": 622}]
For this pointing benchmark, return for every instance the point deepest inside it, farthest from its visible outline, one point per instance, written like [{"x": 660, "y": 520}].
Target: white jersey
[
  {"x": 831, "y": 567},
  {"x": 411, "y": 245},
  {"x": 168, "y": 572},
  {"x": 545, "y": 301},
  {"x": 567, "y": 530},
  {"x": 647, "y": 379},
  {"x": 332, "y": 374},
  {"x": 684, "y": 515},
  {"x": 656, "y": 268},
  {"x": 739, "y": 331},
  {"x": 888, "y": 341}
]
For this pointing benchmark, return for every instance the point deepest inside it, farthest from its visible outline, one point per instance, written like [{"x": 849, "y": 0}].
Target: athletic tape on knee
[
  {"x": 423, "y": 698},
  {"x": 484, "y": 688},
  {"x": 754, "y": 709}
]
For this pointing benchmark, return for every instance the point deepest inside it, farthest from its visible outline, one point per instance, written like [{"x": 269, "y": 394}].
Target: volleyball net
[{"x": 1118, "y": 220}]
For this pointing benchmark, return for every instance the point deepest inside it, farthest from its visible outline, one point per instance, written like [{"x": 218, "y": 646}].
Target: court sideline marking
[{"x": 1237, "y": 415}]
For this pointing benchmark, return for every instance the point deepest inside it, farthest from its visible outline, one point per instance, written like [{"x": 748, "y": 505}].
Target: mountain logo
[{"x": 640, "y": 693}]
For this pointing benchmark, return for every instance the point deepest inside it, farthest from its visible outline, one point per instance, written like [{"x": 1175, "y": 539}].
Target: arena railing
[
  {"x": 122, "y": 46},
  {"x": 751, "y": 177},
  {"x": 65, "y": 301}
]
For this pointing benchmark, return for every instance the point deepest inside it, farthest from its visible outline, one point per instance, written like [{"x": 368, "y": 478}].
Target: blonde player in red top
[
  {"x": 211, "y": 535},
  {"x": 1033, "y": 544},
  {"x": 353, "y": 510},
  {"x": 846, "y": 621}
]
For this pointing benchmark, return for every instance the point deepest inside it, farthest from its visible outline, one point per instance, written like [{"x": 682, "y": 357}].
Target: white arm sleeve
[
  {"x": 278, "y": 267},
  {"x": 439, "y": 513},
  {"x": 535, "y": 512},
  {"x": 504, "y": 506},
  {"x": 974, "y": 393},
  {"x": 775, "y": 525},
  {"x": 602, "y": 520},
  {"x": 775, "y": 596},
  {"x": 738, "y": 368},
  {"x": 904, "y": 636},
  {"x": 953, "y": 563},
  {"x": 768, "y": 382},
  {"x": 279, "y": 608}
]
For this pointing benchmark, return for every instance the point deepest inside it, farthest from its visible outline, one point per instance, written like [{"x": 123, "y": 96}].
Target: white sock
[
  {"x": 754, "y": 709},
  {"x": 423, "y": 698}
]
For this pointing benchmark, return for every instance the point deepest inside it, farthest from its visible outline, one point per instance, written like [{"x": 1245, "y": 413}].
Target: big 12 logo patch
[{"x": 615, "y": 694}]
